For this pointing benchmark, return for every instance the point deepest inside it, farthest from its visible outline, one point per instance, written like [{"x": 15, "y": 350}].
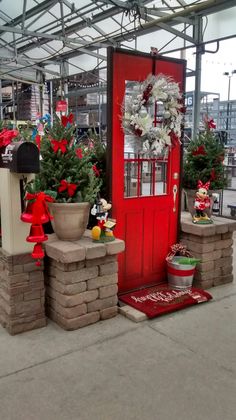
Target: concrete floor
[{"x": 177, "y": 367}]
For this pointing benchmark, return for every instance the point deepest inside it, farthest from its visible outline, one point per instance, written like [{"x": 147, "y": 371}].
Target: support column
[{"x": 198, "y": 64}]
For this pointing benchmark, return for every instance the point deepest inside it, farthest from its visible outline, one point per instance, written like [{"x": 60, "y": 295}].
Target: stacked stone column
[
  {"x": 213, "y": 245},
  {"x": 81, "y": 281},
  {"x": 21, "y": 293}
]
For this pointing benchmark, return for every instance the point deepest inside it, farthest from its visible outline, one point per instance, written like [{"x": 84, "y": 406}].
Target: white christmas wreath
[{"x": 138, "y": 121}]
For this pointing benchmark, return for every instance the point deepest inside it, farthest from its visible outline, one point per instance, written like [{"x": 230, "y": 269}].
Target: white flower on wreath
[
  {"x": 141, "y": 123},
  {"x": 136, "y": 116}
]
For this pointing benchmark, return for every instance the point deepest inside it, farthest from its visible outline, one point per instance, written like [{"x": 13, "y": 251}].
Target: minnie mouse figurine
[{"x": 202, "y": 202}]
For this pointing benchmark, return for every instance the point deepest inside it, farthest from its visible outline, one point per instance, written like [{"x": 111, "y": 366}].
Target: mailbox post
[
  {"x": 22, "y": 290},
  {"x": 16, "y": 160}
]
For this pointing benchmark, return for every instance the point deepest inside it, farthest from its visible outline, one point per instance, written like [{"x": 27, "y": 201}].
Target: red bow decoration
[
  {"x": 211, "y": 123},
  {"x": 59, "y": 145},
  {"x": 66, "y": 186},
  {"x": 39, "y": 207},
  {"x": 65, "y": 120},
  {"x": 96, "y": 170},
  {"x": 213, "y": 174},
  {"x": 79, "y": 153},
  {"x": 38, "y": 140},
  {"x": 200, "y": 151},
  {"x": 201, "y": 185},
  {"x": 6, "y": 136}
]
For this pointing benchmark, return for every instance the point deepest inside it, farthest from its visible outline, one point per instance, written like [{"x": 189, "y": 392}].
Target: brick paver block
[
  {"x": 109, "y": 312},
  {"x": 70, "y": 277},
  {"x": 224, "y": 262},
  {"x": 72, "y": 312},
  {"x": 102, "y": 281},
  {"x": 115, "y": 247},
  {"x": 109, "y": 268},
  {"x": 65, "y": 252},
  {"x": 206, "y": 266},
  {"x": 100, "y": 304},
  {"x": 67, "y": 289},
  {"x": 100, "y": 261},
  {"x": 92, "y": 250},
  {"x": 74, "y": 323},
  {"x": 199, "y": 247},
  {"x": 225, "y": 243},
  {"x": 27, "y": 326},
  {"x": 108, "y": 291}
]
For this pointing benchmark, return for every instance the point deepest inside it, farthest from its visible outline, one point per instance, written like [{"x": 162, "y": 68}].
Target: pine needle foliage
[
  {"x": 203, "y": 161},
  {"x": 68, "y": 163}
]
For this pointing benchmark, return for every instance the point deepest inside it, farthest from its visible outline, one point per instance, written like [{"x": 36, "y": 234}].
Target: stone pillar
[
  {"x": 21, "y": 282},
  {"x": 21, "y": 293},
  {"x": 213, "y": 245},
  {"x": 81, "y": 280}
]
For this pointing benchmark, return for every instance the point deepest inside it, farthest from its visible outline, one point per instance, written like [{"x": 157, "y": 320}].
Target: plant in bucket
[
  {"x": 180, "y": 267},
  {"x": 69, "y": 176}
]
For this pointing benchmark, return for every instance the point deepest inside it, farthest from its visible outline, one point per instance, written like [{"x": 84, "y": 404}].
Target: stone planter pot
[{"x": 69, "y": 219}]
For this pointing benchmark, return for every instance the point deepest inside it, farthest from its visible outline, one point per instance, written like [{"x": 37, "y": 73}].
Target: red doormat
[{"x": 155, "y": 301}]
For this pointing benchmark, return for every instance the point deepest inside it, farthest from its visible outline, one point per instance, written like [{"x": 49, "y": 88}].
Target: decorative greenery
[
  {"x": 138, "y": 121},
  {"x": 203, "y": 161},
  {"x": 67, "y": 172}
]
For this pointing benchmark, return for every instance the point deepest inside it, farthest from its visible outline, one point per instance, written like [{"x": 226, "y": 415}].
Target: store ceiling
[{"x": 62, "y": 37}]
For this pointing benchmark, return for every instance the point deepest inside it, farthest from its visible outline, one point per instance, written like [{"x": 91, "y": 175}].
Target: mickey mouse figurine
[
  {"x": 103, "y": 232},
  {"x": 202, "y": 202}
]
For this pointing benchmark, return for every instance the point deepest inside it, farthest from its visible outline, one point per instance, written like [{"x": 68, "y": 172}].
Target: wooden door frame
[{"x": 109, "y": 172}]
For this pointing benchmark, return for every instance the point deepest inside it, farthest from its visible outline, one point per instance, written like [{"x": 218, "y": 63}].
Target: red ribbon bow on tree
[
  {"x": 38, "y": 140},
  {"x": 6, "y": 136},
  {"x": 39, "y": 206},
  {"x": 66, "y": 186},
  {"x": 211, "y": 123},
  {"x": 200, "y": 151},
  {"x": 79, "y": 153},
  {"x": 59, "y": 145},
  {"x": 96, "y": 170},
  {"x": 65, "y": 120}
]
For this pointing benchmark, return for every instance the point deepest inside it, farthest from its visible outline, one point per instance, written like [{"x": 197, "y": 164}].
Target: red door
[{"x": 144, "y": 190}]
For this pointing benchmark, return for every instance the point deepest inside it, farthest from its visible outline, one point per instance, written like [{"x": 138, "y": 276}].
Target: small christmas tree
[
  {"x": 67, "y": 172},
  {"x": 203, "y": 160}
]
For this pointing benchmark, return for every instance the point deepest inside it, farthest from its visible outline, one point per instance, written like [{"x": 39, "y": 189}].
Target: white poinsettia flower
[
  {"x": 164, "y": 135},
  {"x": 156, "y": 147}
]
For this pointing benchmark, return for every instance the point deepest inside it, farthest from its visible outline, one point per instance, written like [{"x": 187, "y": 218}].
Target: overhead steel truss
[
  {"x": 69, "y": 24},
  {"x": 151, "y": 19}
]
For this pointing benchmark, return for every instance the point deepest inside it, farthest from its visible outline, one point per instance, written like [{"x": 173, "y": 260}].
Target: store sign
[
  {"x": 189, "y": 101},
  {"x": 61, "y": 106}
]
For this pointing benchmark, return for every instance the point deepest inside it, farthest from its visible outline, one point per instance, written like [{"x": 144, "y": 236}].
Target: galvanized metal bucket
[{"x": 180, "y": 276}]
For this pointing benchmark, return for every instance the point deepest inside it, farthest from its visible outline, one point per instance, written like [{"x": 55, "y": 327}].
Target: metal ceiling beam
[
  {"x": 174, "y": 31},
  {"x": 205, "y": 8},
  {"x": 77, "y": 26},
  {"x": 30, "y": 13},
  {"x": 23, "y": 14},
  {"x": 65, "y": 39}
]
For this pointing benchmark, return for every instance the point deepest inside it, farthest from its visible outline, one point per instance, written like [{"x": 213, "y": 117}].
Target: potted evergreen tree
[
  {"x": 68, "y": 174},
  {"x": 203, "y": 161}
]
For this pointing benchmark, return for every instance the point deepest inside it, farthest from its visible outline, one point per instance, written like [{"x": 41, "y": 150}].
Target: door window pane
[{"x": 145, "y": 171}]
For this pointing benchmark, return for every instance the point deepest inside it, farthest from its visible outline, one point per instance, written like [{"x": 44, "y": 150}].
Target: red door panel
[{"x": 147, "y": 223}]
